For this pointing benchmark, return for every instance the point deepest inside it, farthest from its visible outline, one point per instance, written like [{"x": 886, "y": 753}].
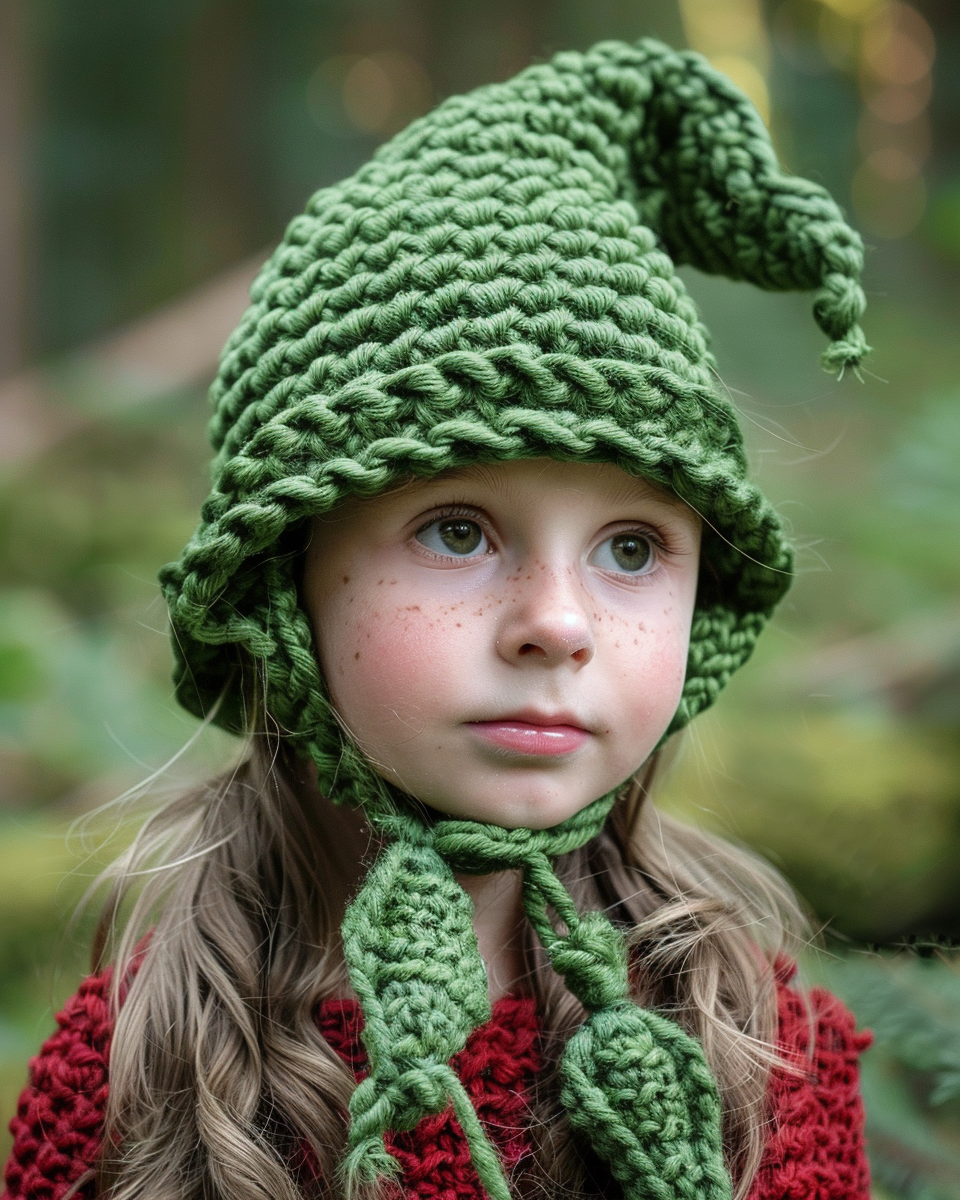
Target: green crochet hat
[{"x": 499, "y": 283}]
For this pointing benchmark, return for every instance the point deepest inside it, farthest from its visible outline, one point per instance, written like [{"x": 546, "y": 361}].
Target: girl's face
[{"x": 507, "y": 643}]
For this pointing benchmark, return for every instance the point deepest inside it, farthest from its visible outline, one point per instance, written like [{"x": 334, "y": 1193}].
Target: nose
[{"x": 547, "y": 622}]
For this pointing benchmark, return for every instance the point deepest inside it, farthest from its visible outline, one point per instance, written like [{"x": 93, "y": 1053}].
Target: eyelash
[
  {"x": 453, "y": 510},
  {"x": 447, "y": 513},
  {"x": 661, "y": 542}
]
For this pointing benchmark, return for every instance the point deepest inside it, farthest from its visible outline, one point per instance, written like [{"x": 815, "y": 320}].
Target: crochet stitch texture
[
  {"x": 634, "y": 1083},
  {"x": 499, "y": 283},
  {"x": 815, "y": 1146}
]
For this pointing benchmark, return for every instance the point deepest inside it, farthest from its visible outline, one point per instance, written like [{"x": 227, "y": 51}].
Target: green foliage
[
  {"x": 863, "y": 815},
  {"x": 942, "y": 225},
  {"x": 91, "y": 520},
  {"x": 911, "y": 1075},
  {"x": 920, "y": 483},
  {"x": 84, "y": 655}
]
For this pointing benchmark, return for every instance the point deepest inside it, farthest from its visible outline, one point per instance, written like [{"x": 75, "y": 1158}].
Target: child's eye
[
  {"x": 625, "y": 553},
  {"x": 457, "y": 536}
]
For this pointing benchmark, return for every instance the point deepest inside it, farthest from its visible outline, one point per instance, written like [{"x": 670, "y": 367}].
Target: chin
[{"x": 523, "y": 811}]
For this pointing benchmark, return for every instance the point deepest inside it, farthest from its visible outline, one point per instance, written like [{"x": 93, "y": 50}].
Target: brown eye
[
  {"x": 625, "y": 553},
  {"x": 456, "y": 536}
]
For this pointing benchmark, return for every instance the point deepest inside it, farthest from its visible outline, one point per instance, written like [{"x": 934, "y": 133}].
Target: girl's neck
[{"x": 498, "y": 920}]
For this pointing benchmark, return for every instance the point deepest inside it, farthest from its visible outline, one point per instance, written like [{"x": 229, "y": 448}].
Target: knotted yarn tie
[
  {"x": 591, "y": 956},
  {"x": 634, "y": 1084},
  {"x": 415, "y": 965}
]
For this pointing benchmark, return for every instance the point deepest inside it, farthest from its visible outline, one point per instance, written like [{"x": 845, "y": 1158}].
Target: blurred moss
[
  {"x": 39, "y": 887},
  {"x": 85, "y": 703},
  {"x": 21, "y": 676},
  {"x": 862, "y": 815},
  {"x": 47, "y": 866},
  {"x": 941, "y": 226},
  {"x": 93, "y": 519},
  {"x": 85, "y": 693}
]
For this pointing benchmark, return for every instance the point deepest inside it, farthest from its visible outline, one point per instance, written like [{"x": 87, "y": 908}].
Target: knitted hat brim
[{"x": 219, "y": 593}]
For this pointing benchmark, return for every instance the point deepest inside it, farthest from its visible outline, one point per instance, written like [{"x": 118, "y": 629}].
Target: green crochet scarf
[{"x": 499, "y": 283}]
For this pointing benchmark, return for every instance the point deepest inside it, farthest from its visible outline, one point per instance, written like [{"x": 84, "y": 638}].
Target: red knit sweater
[{"x": 815, "y": 1149}]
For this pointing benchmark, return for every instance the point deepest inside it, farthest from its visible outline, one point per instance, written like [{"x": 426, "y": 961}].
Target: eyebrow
[
  {"x": 624, "y": 493},
  {"x": 630, "y": 489}
]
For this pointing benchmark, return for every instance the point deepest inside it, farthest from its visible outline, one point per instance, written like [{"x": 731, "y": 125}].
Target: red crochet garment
[{"x": 815, "y": 1150}]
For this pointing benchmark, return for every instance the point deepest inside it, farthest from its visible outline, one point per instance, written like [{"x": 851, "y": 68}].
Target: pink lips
[{"x": 539, "y": 740}]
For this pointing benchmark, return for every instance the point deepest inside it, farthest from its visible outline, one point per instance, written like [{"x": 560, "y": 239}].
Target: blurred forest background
[{"x": 151, "y": 156}]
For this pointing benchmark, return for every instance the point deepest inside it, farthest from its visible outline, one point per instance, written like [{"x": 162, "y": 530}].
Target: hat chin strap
[{"x": 634, "y": 1084}]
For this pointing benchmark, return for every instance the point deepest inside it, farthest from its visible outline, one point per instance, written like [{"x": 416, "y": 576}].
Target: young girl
[{"x": 480, "y": 540}]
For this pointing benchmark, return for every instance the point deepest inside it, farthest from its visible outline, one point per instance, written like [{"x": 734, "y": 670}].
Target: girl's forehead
[
  {"x": 520, "y": 486},
  {"x": 527, "y": 476}
]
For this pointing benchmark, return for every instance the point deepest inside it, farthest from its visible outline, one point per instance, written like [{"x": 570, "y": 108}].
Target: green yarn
[
  {"x": 499, "y": 283},
  {"x": 416, "y": 968},
  {"x": 634, "y": 1084},
  {"x": 639, "y": 1090}
]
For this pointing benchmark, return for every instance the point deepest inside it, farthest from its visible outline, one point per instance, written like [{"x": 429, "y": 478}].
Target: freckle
[
  {"x": 459, "y": 626},
  {"x": 356, "y": 657},
  {"x": 379, "y": 582},
  {"x": 346, "y": 579}
]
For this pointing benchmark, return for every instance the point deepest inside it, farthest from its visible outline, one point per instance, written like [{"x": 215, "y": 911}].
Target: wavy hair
[{"x": 221, "y": 1084}]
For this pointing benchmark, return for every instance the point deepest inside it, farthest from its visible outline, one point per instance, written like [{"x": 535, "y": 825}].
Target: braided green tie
[{"x": 635, "y": 1085}]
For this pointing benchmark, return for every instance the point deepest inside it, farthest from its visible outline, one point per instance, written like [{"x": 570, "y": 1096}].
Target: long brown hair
[{"x": 231, "y": 896}]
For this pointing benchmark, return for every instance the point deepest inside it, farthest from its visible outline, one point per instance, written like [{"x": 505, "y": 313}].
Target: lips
[{"x": 533, "y": 734}]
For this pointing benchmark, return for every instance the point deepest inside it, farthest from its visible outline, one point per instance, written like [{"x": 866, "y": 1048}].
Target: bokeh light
[
  {"x": 375, "y": 93},
  {"x": 895, "y": 62},
  {"x": 732, "y": 34}
]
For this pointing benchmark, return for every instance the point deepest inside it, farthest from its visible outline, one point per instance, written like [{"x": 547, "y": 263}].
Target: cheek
[
  {"x": 672, "y": 651},
  {"x": 652, "y": 671},
  {"x": 386, "y": 664}
]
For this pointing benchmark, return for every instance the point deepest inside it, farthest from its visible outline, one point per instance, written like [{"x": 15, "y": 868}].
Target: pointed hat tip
[{"x": 845, "y": 353}]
